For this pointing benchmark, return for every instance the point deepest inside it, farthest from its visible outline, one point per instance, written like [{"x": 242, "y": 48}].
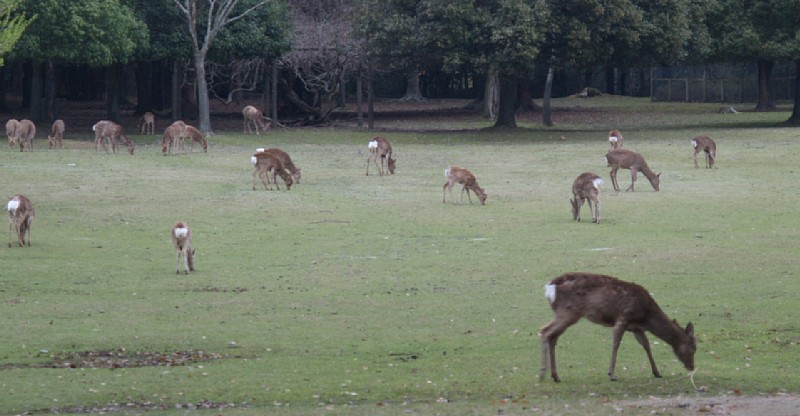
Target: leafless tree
[
  {"x": 325, "y": 52},
  {"x": 217, "y": 14}
]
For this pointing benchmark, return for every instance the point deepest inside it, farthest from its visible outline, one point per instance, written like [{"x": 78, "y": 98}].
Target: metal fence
[{"x": 718, "y": 83}]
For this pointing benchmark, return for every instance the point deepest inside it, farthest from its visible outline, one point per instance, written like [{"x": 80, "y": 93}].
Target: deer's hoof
[{"x": 613, "y": 377}]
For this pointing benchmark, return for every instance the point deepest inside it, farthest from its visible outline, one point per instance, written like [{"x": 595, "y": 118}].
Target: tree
[
  {"x": 11, "y": 26},
  {"x": 204, "y": 23},
  {"x": 96, "y": 33}
]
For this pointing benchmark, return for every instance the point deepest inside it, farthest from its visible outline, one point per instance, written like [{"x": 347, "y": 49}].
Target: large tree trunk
[
  {"x": 507, "y": 109},
  {"x": 49, "y": 90},
  {"x": 795, "y": 117},
  {"x": 765, "y": 102},
  {"x": 359, "y": 99},
  {"x": 35, "y": 109},
  {"x": 144, "y": 87},
  {"x": 547, "y": 119},
  {"x": 490, "y": 94},
  {"x": 112, "y": 92},
  {"x": 413, "y": 92},
  {"x": 204, "y": 111},
  {"x": 177, "y": 83}
]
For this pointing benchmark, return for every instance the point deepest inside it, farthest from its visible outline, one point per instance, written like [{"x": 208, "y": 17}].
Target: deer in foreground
[
  {"x": 254, "y": 116},
  {"x": 626, "y": 159},
  {"x": 11, "y": 131},
  {"x": 56, "y": 140},
  {"x": 455, "y": 174},
  {"x": 196, "y": 136},
  {"x": 20, "y": 217},
  {"x": 285, "y": 160},
  {"x": 113, "y": 132},
  {"x": 706, "y": 145},
  {"x": 380, "y": 148},
  {"x": 266, "y": 164},
  {"x": 147, "y": 123},
  {"x": 610, "y": 302},
  {"x": 173, "y": 138},
  {"x": 586, "y": 187},
  {"x": 615, "y": 139},
  {"x": 182, "y": 241},
  {"x": 24, "y": 134}
]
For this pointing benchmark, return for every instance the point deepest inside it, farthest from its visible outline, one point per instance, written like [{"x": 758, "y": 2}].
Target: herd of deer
[{"x": 604, "y": 300}]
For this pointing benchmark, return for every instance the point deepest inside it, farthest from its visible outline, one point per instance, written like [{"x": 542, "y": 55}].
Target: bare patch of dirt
[
  {"x": 122, "y": 358},
  {"x": 778, "y": 405}
]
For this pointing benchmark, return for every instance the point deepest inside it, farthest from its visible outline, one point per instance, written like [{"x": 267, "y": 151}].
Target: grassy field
[{"x": 354, "y": 294}]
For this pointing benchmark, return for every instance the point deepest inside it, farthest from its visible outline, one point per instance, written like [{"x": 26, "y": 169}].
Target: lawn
[{"x": 354, "y": 294}]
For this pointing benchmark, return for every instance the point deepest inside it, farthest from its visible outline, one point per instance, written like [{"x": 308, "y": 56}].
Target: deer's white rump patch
[
  {"x": 550, "y": 292},
  {"x": 181, "y": 232},
  {"x": 13, "y": 205}
]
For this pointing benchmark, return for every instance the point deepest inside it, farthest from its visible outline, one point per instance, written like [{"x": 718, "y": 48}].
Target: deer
[
  {"x": 173, "y": 138},
  {"x": 705, "y": 144},
  {"x": 254, "y": 116},
  {"x": 586, "y": 187},
  {"x": 147, "y": 123},
  {"x": 615, "y": 139},
  {"x": 182, "y": 241},
  {"x": 113, "y": 132},
  {"x": 11, "y": 132},
  {"x": 621, "y": 305},
  {"x": 56, "y": 140},
  {"x": 24, "y": 134},
  {"x": 285, "y": 160},
  {"x": 380, "y": 148},
  {"x": 20, "y": 217},
  {"x": 455, "y": 174},
  {"x": 627, "y": 159},
  {"x": 196, "y": 136},
  {"x": 265, "y": 164}
]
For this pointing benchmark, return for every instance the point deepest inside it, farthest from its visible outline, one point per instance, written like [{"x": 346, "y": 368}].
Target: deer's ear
[
  {"x": 690, "y": 329},
  {"x": 659, "y": 175}
]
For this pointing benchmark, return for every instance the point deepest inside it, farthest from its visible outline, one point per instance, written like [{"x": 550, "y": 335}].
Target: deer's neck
[
  {"x": 666, "y": 330},
  {"x": 648, "y": 172}
]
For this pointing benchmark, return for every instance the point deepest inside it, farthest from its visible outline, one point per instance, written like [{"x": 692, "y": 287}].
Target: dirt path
[{"x": 779, "y": 405}]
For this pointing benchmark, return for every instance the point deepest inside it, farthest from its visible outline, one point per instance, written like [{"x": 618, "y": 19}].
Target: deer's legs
[
  {"x": 464, "y": 188},
  {"x": 634, "y": 173},
  {"x": 614, "y": 179},
  {"x": 642, "y": 338},
  {"x": 618, "y": 332},
  {"x": 596, "y": 215},
  {"x": 447, "y": 185},
  {"x": 550, "y": 334}
]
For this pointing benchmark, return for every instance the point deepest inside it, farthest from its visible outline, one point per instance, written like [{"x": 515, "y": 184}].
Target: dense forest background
[{"x": 301, "y": 59}]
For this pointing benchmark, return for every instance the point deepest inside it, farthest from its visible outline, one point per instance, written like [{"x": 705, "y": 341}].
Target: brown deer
[
  {"x": 610, "y": 302},
  {"x": 11, "y": 132},
  {"x": 455, "y": 174},
  {"x": 265, "y": 164},
  {"x": 56, "y": 140},
  {"x": 196, "y": 136},
  {"x": 114, "y": 133},
  {"x": 182, "y": 241},
  {"x": 706, "y": 145},
  {"x": 380, "y": 148},
  {"x": 147, "y": 123},
  {"x": 24, "y": 134},
  {"x": 172, "y": 140},
  {"x": 586, "y": 188},
  {"x": 254, "y": 116},
  {"x": 615, "y": 139},
  {"x": 626, "y": 159},
  {"x": 20, "y": 217},
  {"x": 286, "y": 161}
]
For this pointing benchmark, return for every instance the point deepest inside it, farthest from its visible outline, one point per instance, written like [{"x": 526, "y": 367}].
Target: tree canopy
[{"x": 11, "y": 26}]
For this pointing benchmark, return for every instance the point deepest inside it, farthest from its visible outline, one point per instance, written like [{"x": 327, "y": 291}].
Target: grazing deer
[
  {"x": 286, "y": 161},
  {"x": 182, "y": 241},
  {"x": 147, "y": 123},
  {"x": 11, "y": 131},
  {"x": 706, "y": 145},
  {"x": 113, "y": 132},
  {"x": 56, "y": 140},
  {"x": 586, "y": 188},
  {"x": 196, "y": 136},
  {"x": 265, "y": 164},
  {"x": 455, "y": 174},
  {"x": 254, "y": 116},
  {"x": 607, "y": 301},
  {"x": 380, "y": 148},
  {"x": 173, "y": 138},
  {"x": 24, "y": 134},
  {"x": 615, "y": 139},
  {"x": 20, "y": 217},
  {"x": 626, "y": 159}
]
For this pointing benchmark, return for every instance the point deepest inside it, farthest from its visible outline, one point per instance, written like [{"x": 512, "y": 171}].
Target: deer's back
[{"x": 602, "y": 299}]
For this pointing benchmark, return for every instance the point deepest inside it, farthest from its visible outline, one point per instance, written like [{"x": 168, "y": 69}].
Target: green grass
[{"x": 367, "y": 295}]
